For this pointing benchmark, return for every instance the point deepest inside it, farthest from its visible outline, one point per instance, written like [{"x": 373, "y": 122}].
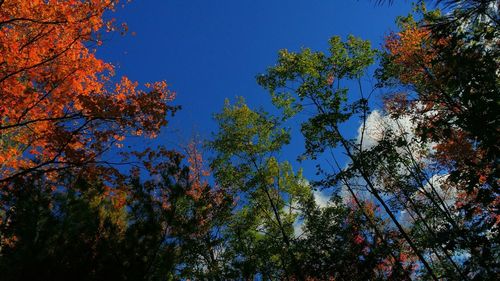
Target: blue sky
[{"x": 208, "y": 51}]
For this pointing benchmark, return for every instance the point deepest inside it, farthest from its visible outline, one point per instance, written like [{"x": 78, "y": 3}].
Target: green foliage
[
  {"x": 263, "y": 236},
  {"x": 315, "y": 79},
  {"x": 245, "y": 162},
  {"x": 417, "y": 203}
]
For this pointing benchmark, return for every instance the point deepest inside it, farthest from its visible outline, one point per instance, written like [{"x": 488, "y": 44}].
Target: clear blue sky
[{"x": 211, "y": 50}]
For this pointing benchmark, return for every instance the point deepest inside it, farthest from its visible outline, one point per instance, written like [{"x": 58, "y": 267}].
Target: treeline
[{"x": 417, "y": 198}]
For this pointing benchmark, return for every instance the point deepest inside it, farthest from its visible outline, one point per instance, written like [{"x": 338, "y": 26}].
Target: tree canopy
[{"x": 413, "y": 196}]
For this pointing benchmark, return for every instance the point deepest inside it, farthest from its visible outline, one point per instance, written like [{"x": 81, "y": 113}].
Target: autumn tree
[
  {"x": 459, "y": 107},
  {"x": 417, "y": 198},
  {"x": 453, "y": 104},
  {"x": 59, "y": 104}
]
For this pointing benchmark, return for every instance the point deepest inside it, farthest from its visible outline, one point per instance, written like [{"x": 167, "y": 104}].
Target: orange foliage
[
  {"x": 455, "y": 151},
  {"x": 411, "y": 50},
  {"x": 197, "y": 170},
  {"x": 210, "y": 199},
  {"x": 58, "y": 105}
]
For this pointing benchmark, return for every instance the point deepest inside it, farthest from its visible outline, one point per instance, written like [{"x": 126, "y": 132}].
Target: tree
[
  {"x": 261, "y": 232},
  {"x": 453, "y": 104},
  {"x": 313, "y": 78},
  {"x": 417, "y": 198},
  {"x": 49, "y": 235},
  {"x": 264, "y": 236},
  {"x": 153, "y": 229},
  {"x": 58, "y": 105}
]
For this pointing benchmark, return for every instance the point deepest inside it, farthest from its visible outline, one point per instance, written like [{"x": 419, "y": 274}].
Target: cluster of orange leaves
[
  {"x": 198, "y": 173},
  {"x": 211, "y": 198},
  {"x": 412, "y": 50},
  {"x": 58, "y": 103}
]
